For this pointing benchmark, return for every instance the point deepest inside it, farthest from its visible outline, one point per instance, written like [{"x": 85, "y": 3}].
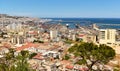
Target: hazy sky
[{"x": 62, "y": 8}]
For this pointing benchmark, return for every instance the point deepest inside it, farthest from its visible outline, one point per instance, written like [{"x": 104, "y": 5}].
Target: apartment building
[{"x": 107, "y": 36}]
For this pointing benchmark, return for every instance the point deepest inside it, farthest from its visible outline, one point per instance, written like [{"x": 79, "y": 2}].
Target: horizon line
[{"x": 57, "y": 17}]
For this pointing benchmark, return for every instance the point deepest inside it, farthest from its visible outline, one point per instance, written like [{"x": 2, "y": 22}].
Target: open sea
[{"x": 113, "y": 23}]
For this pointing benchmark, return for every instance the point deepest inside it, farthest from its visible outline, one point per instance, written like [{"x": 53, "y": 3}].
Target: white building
[
  {"x": 14, "y": 26},
  {"x": 53, "y": 34},
  {"x": 107, "y": 36},
  {"x": 17, "y": 40},
  {"x": 94, "y": 26}
]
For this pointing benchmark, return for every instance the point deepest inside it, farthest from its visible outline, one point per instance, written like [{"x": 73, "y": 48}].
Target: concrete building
[
  {"x": 107, "y": 36},
  {"x": 14, "y": 27},
  {"x": 91, "y": 38},
  {"x": 94, "y": 26},
  {"x": 17, "y": 40},
  {"x": 53, "y": 34},
  {"x": 88, "y": 38}
]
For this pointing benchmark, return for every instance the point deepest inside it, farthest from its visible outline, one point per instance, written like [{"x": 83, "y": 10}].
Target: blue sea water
[{"x": 89, "y": 21}]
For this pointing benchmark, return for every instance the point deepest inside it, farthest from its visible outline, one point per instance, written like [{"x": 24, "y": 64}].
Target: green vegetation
[
  {"x": 2, "y": 34},
  {"x": 95, "y": 54},
  {"x": 67, "y": 57},
  {"x": 68, "y": 41},
  {"x": 37, "y": 41},
  {"x": 78, "y": 40},
  {"x": 12, "y": 62},
  {"x": 32, "y": 55},
  {"x": 117, "y": 68}
]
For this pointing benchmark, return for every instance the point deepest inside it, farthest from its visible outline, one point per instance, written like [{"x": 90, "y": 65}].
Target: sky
[{"x": 62, "y": 8}]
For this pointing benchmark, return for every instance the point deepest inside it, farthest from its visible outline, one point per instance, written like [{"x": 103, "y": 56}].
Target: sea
[{"x": 103, "y": 23}]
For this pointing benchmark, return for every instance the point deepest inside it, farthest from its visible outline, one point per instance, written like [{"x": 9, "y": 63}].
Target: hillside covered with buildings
[{"x": 50, "y": 42}]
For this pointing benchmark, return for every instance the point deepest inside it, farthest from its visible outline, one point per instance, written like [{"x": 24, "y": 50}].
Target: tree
[
  {"x": 32, "y": 55},
  {"x": 22, "y": 64},
  {"x": 7, "y": 62},
  {"x": 10, "y": 59},
  {"x": 67, "y": 57},
  {"x": 38, "y": 41},
  {"x": 117, "y": 68},
  {"x": 78, "y": 40},
  {"x": 90, "y": 54},
  {"x": 10, "y": 62},
  {"x": 3, "y": 67}
]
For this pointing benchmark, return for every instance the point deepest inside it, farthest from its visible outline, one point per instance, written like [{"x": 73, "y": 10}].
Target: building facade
[{"x": 107, "y": 36}]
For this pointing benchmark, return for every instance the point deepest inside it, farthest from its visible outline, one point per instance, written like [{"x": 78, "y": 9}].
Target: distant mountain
[
  {"x": 3, "y": 15},
  {"x": 9, "y": 16}
]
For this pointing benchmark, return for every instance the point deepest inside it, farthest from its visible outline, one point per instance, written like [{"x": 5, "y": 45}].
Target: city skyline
[{"x": 62, "y": 8}]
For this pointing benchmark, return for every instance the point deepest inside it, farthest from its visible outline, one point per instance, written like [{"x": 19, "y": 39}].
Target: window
[{"x": 102, "y": 33}]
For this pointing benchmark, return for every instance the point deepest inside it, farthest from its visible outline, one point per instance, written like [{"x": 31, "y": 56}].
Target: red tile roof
[
  {"x": 83, "y": 69},
  {"x": 81, "y": 35},
  {"x": 38, "y": 56},
  {"x": 69, "y": 66},
  {"x": 7, "y": 45},
  {"x": 33, "y": 32},
  {"x": 28, "y": 45},
  {"x": 66, "y": 62}
]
